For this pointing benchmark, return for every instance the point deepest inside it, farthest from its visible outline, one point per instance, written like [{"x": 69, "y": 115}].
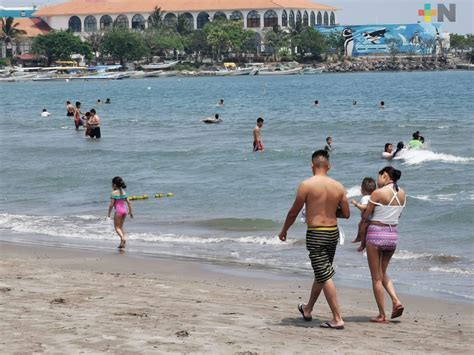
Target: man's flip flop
[
  {"x": 300, "y": 308},
  {"x": 398, "y": 311},
  {"x": 328, "y": 325}
]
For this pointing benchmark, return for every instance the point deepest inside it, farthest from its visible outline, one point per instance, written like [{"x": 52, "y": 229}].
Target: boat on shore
[
  {"x": 311, "y": 71},
  {"x": 280, "y": 71},
  {"x": 158, "y": 66}
]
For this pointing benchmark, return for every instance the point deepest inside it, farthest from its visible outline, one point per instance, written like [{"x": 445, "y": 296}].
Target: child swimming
[
  {"x": 119, "y": 200},
  {"x": 367, "y": 187}
]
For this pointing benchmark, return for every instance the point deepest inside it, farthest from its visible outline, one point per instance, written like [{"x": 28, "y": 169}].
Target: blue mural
[{"x": 363, "y": 40}]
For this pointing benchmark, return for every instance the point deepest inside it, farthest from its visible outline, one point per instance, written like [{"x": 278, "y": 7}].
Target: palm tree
[
  {"x": 9, "y": 33},
  {"x": 156, "y": 18}
]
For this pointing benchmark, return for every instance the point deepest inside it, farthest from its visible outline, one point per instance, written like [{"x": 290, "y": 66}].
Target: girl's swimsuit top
[
  {"x": 388, "y": 214},
  {"x": 120, "y": 197}
]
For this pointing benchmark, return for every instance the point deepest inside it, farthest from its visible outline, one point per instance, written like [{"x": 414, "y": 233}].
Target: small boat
[
  {"x": 310, "y": 70},
  {"x": 157, "y": 66},
  {"x": 153, "y": 74},
  {"x": 280, "y": 71}
]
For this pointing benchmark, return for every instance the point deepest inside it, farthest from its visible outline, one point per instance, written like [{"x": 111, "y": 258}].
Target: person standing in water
[
  {"x": 257, "y": 143},
  {"x": 325, "y": 201},
  {"x": 94, "y": 124},
  {"x": 328, "y": 147},
  {"x": 69, "y": 109},
  {"x": 388, "y": 151},
  {"x": 77, "y": 116},
  {"x": 119, "y": 200}
]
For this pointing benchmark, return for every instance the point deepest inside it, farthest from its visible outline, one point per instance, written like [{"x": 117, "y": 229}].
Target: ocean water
[{"x": 229, "y": 203}]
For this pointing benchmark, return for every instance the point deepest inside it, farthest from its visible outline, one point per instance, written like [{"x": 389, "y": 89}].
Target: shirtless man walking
[
  {"x": 257, "y": 143},
  {"x": 325, "y": 201}
]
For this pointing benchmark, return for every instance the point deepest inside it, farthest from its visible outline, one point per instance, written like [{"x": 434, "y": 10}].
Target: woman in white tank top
[{"x": 383, "y": 212}]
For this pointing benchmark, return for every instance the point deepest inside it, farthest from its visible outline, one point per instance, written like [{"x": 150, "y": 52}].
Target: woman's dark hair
[
  {"x": 416, "y": 135},
  {"x": 394, "y": 174},
  {"x": 117, "y": 181},
  {"x": 387, "y": 145},
  {"x": 400, "y": 146},
  {"x": 93, "y": 111}
]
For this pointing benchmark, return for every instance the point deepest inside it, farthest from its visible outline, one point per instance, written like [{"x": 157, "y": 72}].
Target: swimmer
[
  {"x": 77, "y": 116},
  {"x": 69, "y": 109},
  {"x": 354, "y": 102},
  {"x": 415, "y": 143},
  {"x": 388, "y": 151},
  {"x": 45, "y": 113},
  {"x": 107, "y": 101},
  {"x": 316, "y": 103},
  {"x": 120, "y": 201},
  {"x": 99, "y": 102},
  {"x": 328, "y": 146},
  {"x": 88, "y": 131},
  {"x": 94, "y": 123},
  {"x": 257, "y": 143},
  {"x": 400, "y": 146},
  {"x": 216, "y": 119},
  {"x": 221, "y": 103},
  {"x": 382, "y": 104}
]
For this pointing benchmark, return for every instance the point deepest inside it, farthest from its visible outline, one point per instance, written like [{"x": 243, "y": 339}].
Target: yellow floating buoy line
[{"x": 146, "y": 197}]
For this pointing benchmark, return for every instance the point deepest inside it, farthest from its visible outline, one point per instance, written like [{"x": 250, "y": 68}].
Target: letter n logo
[{"x": 450, "y": 13}]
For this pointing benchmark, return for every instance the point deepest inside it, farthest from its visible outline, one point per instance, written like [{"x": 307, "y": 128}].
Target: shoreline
[{"x": 63, "y": 300}]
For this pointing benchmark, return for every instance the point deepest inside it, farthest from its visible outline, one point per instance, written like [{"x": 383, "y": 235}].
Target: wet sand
[{"x": 56, "y": 300}]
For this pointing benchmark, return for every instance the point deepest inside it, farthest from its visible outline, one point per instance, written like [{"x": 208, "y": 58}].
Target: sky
[{"x": 357, "y": 12}]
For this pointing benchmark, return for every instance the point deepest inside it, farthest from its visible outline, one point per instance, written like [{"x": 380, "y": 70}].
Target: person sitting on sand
[
  {"x": 328, "y": 146},
  {"x": 45, "y": 113},
  {"x": 325, "y": 201},
  {"x": 384, "y": 210},
  {"x": 415, "y": 143},
  {"x": 367, "y": 187},
  {"x": 388, "y": 151},
  {"x": 119, "y": 201},
  {"x": 257, "y": 142},
  {"x": 216, "y": 119}
]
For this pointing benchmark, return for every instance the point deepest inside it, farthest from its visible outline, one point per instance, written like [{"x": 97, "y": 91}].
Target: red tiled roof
[
  {"x": 91, "y": 7},
  {"x": 32, "y": 26}
]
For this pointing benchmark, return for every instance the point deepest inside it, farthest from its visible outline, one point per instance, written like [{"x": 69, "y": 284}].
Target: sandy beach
[{"x": 56, "y": 300}]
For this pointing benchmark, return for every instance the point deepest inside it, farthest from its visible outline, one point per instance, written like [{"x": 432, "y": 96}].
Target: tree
[
  {"x": 95, "y": 40},
  {"x": 183, "y": 26},
  {"x": 335, "y": 43},
  {"x": 59, "y": 45},
  {"x": 124, "y": 45},
  {"x": 10, "y": 33},
  {"x": 225, "y": 36},
  {"x": 196, "y": 43},
  {"x": 165, "y": 41},
  {"x": 276, "y": 40},
  {"x": 311, "y": 42},
  {"x": 155, "y": 20},
  {"x": 457, "y": 42}
]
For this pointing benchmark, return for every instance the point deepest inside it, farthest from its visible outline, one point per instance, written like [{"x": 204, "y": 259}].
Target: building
[
  {"x": 387, "y": 39},
  {"x": 86, "y": 16},
  {"x": 33, "y": 27}
]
